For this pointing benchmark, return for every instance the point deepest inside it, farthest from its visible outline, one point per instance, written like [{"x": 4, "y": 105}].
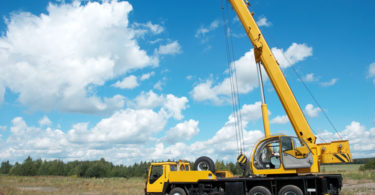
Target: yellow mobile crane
[
  {"x": 280, "y": 164},
  {"x": 307, "y": 157}
]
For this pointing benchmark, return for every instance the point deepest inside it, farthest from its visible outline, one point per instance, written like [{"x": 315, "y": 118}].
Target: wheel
[
  {"x": 177, "y": 191},
  {"x": 259, "y": 190},
  {"x": 290, "y": 190},
  {"x": 204, "y": 163}
]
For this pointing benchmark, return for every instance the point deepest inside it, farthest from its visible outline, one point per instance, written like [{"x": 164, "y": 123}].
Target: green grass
[
  {"x": 355, "y": 181},
  {"x": 349, "y": 171}
]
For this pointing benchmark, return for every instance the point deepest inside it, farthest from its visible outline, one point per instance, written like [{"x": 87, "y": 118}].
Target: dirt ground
[{"x": 358, "y": 187}]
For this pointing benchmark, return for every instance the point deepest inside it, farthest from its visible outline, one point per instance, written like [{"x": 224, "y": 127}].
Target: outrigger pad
[{"x": 234, "y": 188}]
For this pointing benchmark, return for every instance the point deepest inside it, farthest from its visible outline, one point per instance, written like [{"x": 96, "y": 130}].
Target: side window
[
  {"x": 267, "y": 155},
  {"x": 182, "y": 167},
  {"x": 294, "y": 147},
  {"x": 173, "y": 167},
  {"x": 156, "y": 173},
  {"x": 187, "y": 168},
  {"x": 296, "y": 154}
]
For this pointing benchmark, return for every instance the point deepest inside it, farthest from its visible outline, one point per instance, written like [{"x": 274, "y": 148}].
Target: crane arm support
[{"x": 264, "y": 55}]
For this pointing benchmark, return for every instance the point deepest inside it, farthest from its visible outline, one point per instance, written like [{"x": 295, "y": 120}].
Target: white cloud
[
  {"x": 309, "y": 77},
  {"x": 25, "y": 140},
  {"x": 126, "y": 137},
  {"x": 147, "y": 76},
  {"x": 143, "y": 28},
  {"x": 311, "y": 111},
  {"x": 295, "y": 53},
  {"x": 329, "y": 83},
  {"x": 174, "y": 105},
  {"x": 45, "y": 121},
  {"x": 263, "y": 22},
  {"x": 203, "y": 30},
  {"x": 249, "y": 112},
  {"x": 129, "y": 82},
  {"x": 280, "y": 120},
  {"x": 181, "y": 132},
  {"x": 247, "y": 74},
  {"x": 360, "y": 139},
  {"x": 170, "y": 49},
  {"x": 123, "y": 127},
  {"x": 50, "y": 60},
  {"x": 149, "y": 100},
  {"x": 371, "y": 71},
  {"x": 130, "y": 136},
  {"x": 221, "y": 146}
]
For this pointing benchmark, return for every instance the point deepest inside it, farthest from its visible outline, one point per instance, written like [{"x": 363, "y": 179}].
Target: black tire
[
  {"x": 204, "y": 163},
  {"x": 177, "y": 191},
  {"x": 290, "y": 190},
  {"x": 259, "y": 190}
]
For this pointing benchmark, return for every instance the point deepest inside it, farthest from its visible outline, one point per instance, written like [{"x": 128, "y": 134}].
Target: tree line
[{"x": 97, "y": 168}]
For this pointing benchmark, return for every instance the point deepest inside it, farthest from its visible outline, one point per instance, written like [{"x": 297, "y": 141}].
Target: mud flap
[{"x": 234, "y": 188}]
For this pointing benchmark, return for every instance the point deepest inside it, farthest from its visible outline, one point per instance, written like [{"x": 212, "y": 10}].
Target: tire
[
  {"x": 204, "y": 163},
  {"x": 259, "y": 190},
  {"x": 177, "y": 191},
  {"x": 290, "y": 190}
]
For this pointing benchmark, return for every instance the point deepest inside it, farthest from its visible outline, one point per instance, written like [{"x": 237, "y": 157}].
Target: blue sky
[{"x": 146, "y": 80}]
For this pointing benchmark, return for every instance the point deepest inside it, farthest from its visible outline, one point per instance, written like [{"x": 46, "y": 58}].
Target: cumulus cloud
[
  {"x": 147, "y": 76},
  {"x": 263, "y": 22},
  {"x": 127, "y": 136},
  {"x": 170, "y": 49},
  {"x": 360, "y": 139},
  {"x": 295, "y": 53},
  {"x": 55, "y": 61},
  {"x": 174, "y": 105},
  {"x": 312, "y": 111},
  {"x": 280, "y": 120},
  {"x": 125, "y": 126},
  {"x": 130, "y": 135},
  {"x": 329, "y": 83},
  {"x": 181, "y": 132},
  {"x": 45, "y": 121},
  {"x": 246, "y": 71},
  {"x": 221, "y": 146},
  {"x": 120, "y": 135},
  {"x": 129, "y": 82},
  {"x": 26, "y": 140}
]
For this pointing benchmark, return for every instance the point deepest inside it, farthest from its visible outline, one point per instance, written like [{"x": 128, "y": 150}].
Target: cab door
[{"x": 156, "y": 178}]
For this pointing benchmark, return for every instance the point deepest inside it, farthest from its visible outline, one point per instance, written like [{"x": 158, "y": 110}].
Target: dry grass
[
  {"x": 355, "y": 182},
  {"x": 69, "y": 185}
]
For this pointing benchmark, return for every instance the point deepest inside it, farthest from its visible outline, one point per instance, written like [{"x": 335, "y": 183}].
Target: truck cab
[{"x": 163, "y": 177}]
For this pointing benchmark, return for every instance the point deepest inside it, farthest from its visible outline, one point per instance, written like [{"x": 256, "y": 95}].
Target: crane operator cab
[{"x": 281, "y": 154}]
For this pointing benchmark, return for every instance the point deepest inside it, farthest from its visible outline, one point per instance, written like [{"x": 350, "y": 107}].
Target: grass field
[
  {"x": 355, "y": 182},
  {"x": 69, "y": 185}
]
